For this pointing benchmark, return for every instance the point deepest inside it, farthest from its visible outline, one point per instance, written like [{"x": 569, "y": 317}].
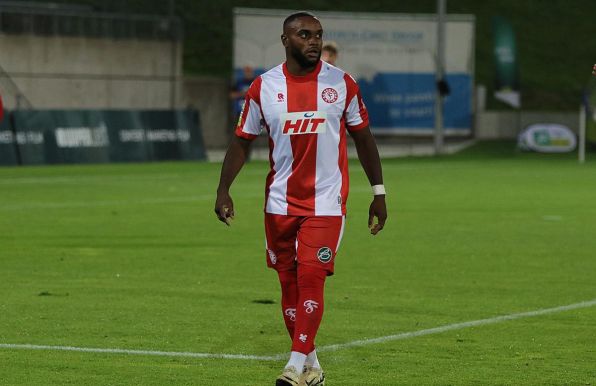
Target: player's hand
[
  {"x": 224, "y": 208},
  {"x": 377, "y": 209}
]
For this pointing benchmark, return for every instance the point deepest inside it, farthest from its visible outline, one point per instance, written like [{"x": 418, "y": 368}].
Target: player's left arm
[{"x": 368, "y": 154}]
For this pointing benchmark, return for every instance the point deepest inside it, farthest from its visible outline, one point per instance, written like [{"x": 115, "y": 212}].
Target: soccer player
[
  {"x": 330, "y": 52},
  {"x": 240, "y": 87},
  {"x": 307, "y": 108}
]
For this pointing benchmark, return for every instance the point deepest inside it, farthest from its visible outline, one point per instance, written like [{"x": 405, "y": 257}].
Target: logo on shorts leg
[
  {"x": 272, "y": 256},
  {"x": 324, "y": 254},
  {"x": 303, "y": 338}
]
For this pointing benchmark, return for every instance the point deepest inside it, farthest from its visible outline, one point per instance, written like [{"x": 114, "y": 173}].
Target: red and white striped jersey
[{"x": 306, "y": 118}]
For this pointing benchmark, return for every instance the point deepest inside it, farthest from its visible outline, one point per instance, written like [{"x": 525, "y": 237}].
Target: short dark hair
[
  {"x": 297, "y": 15},
  {"x": 331, "y": 46}
]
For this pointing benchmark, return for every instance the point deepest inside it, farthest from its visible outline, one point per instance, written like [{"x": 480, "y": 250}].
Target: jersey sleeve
[
  {"x": 249, "y": 122},
  {"x": 355, "y": 111}
]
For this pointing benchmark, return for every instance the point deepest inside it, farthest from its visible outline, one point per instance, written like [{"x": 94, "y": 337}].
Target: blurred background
[
  {"x": 103, "y": 80},
  {"x": 104, "y": 250}
]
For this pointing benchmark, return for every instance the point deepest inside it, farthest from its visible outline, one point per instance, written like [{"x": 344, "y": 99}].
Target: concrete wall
[
  {"x": 80, "y": 72},
  {"x": 507, "y": 125},
  {"x": 210, "y": 97}
]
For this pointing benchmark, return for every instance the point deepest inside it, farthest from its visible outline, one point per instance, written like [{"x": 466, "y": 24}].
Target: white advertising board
[{"x": 392, "y": 56}]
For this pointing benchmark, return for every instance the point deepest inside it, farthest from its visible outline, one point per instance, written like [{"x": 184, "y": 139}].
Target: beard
[{"x": 303, "y": 60}]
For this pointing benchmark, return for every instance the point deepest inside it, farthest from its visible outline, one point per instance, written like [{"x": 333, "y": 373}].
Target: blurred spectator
[
  {"x": 330, "y": 52},
  {"x": 240, "y": 87},
  {"x": 1, "y": 109},
  {"x": 594, "y": 70}
]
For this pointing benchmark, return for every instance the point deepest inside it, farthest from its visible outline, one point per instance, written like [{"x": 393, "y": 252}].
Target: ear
[{"x": 284, "y": 40}]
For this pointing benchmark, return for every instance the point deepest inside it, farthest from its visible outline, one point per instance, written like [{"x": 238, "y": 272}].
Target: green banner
[
  {"x": 507, "y": 87},
  {"x": 8, "y": 155},
  {"x": 590, "y": 105},
  {"x": 97, "y": 136}
]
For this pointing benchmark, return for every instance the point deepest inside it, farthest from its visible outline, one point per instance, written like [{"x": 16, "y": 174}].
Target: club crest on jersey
[
  {"x": 329, "y": 95},
  {"x": 305, "y": 122},
  {"x": 324, "y": 254}
]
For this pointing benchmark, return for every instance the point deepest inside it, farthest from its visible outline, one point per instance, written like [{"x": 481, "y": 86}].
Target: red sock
[
  {"x": 309, "y": 308},
  {"x": 289, "y": 297}
]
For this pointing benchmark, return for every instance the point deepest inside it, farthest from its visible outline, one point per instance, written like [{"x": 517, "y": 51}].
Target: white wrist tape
[{"x": 378, "y": 190}]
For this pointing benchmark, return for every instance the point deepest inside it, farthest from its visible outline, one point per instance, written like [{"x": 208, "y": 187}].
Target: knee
[
  {"x": 309, "y": 276},
  {"x": 287, "y": 277}
]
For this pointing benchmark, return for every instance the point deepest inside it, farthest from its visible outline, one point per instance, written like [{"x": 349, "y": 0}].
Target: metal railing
[
  {"x": 46, "y": 20},
  {"x": 72, "y": 20},
  {"x": 9, "y": 87}
]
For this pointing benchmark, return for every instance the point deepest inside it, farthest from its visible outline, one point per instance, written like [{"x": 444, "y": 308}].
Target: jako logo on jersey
[
  {"x": 329, "y": 95},
  {"x": 280, "y": 97},
  {"x": 306, "y": 122},
  {"x": 303, "y": 338},
  {"x": 310, "y": 306},
  {"x": 324, "y": 254},
  {"x": 272, "y": 256},
  {"x": 241, "y": 114}
]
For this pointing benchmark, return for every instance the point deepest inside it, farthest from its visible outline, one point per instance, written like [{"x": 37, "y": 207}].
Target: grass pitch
[{"x": 132, "y": 257}]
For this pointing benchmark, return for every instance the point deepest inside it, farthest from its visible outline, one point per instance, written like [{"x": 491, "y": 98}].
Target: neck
[{"x": 296, "y": 69}]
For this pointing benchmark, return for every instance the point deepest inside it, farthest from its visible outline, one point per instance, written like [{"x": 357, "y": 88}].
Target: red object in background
[{"x": 1, "y": 109}]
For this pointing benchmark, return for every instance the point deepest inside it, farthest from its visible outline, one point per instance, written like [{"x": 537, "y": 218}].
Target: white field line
[
  {"x": 117, "y": 179},
  {"x": 109, "y": 203},
  {"x": 333, "y": 347},
  {"x": 89, "y": 204},
  {"x": 137, "y": 352},
  {"x": 99, "y": 179},
  {"x": 458, "y": 326}
]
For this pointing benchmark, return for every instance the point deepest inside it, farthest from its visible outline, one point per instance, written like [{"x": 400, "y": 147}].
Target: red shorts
[{"x": 293, "y": 240}]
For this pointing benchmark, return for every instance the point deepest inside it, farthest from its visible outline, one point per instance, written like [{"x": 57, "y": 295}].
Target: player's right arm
[
  {"x": 235, "y": 158},
  {"x": 247, "y": 129}
]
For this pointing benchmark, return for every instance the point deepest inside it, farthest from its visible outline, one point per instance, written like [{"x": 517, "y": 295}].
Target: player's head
[
  {"x": 302, "y": 38},
  {"x": 248, "y": 70},
  {"x": 330, "y": 52}
]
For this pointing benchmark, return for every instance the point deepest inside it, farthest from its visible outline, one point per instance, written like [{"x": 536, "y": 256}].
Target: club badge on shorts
[
  {"x": 324, "y": 254},
  {"x": 272, "y": 256}
]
